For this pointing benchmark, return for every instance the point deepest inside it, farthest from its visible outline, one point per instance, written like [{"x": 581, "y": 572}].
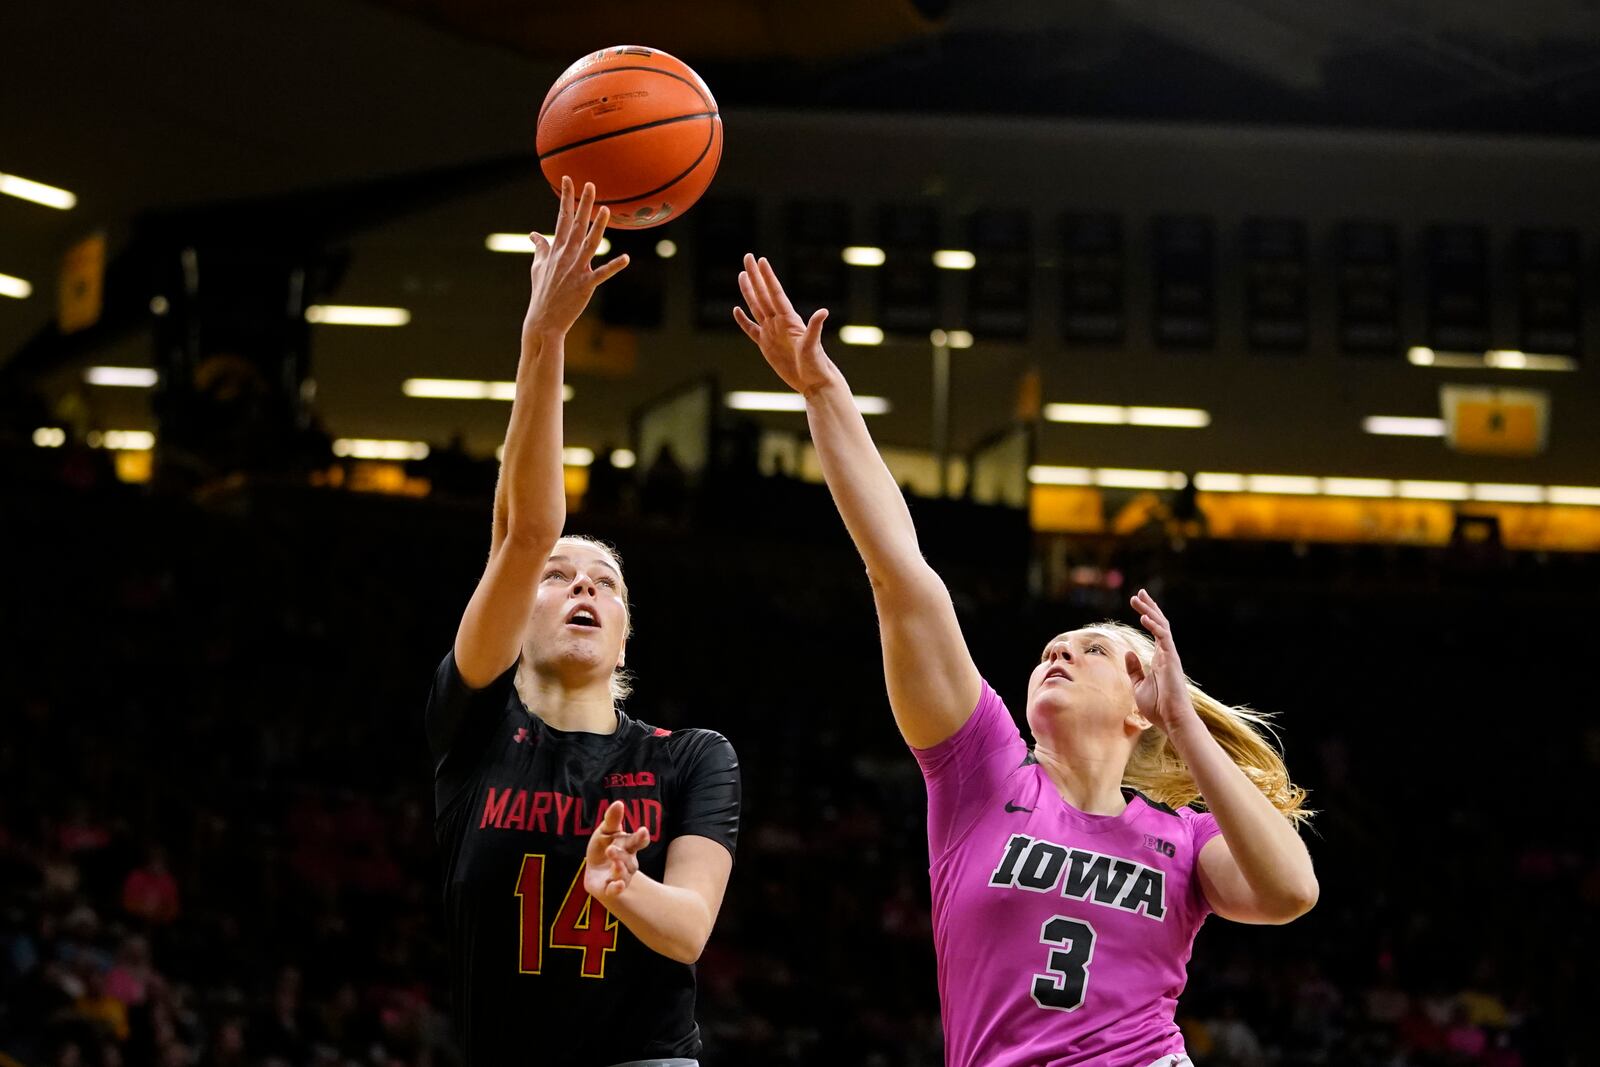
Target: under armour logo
[{"x": 521, "y": 735}]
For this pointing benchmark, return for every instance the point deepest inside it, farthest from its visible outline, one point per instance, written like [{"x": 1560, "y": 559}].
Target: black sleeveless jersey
[{"x": 541, "y": 973}]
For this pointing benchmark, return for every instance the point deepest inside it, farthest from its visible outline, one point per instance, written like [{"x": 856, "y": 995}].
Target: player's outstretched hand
[
  {"x": 791, "y": 345},
  {"x": 563, "y": 274},
  {"x": 613, "y": 856},
  {"x": 1162, "y": 694}
]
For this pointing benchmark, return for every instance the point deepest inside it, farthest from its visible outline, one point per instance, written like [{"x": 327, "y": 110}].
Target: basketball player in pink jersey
[{"x": 1069, "y": 879}]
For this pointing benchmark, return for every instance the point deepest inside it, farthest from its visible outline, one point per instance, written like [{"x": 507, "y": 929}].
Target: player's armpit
[
  {"x": 933, "y": 683},
  {"x": 1232, "y": 897}
]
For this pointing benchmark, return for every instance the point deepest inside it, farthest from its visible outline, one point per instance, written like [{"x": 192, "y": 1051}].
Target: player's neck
[
  {"x": 1090, "y": 781},
  {"x": 582, "y": 708}
]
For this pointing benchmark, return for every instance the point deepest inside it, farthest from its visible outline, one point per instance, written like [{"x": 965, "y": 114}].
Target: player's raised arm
[
  {"x": 530, "y": 500},
  {"x": 933, "y": 684}
]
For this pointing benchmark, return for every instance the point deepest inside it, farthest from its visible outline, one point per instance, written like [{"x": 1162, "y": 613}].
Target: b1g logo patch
[
  {"x": 630, "y": 779},
  {"x": 1156, "y": 844}
]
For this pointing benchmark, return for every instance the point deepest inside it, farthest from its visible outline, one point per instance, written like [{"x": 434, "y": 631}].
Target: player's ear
[{"x": 622, "y": 654}]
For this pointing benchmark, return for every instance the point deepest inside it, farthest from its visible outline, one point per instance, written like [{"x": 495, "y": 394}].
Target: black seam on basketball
[
  {"x": 710, "y": 103},
  {"x": 626, "y": 129},
  {"x": 710, "y": 139}
]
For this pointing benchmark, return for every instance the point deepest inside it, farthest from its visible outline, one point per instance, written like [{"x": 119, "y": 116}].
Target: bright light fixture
[
  {"x": 1585, "y": 495},
  {"x": 745, "y": 400},
  {"x": 666, "y": 248},
  {"x": 864, "y": 256},
  {"x": 951, "y": 338},
  {"x": 465, "y": 389},
  {"x": 1184, "y": 418},
  {"x": 1116, "y": 415},
  {"x": 1369, "y": 487},
  {"x": 861, "y": 335},
  {"x": 37, "y": 192},
  {"x": 126, "y": 377},
  {"x": 1403, "y": 426},
  {"x": 1215, "y": 482},
  {"x": 520, "y": 244},
  {"x": 1508, "y": 494},
  {"x": 14, "y": 287},
  {"x": 1124, "y": 478},
  {"x": 127, "y": 440},
  {"x": 49, "y": 437},
  {"x": 354, "y": 315},
  {"x": 577, "y": 457},
  {"x": 1106, "y": 414},
  {"x": 954, "y": 259},
  {"x": 1060, "y": 475},
  {"x": 372, "y": 448},
  {"x": 623, "y": 458},
  {"x": 1426, "y": 490},
  {"x": 1511, "y": 359},
  {"x": 1285, "y": 484}
]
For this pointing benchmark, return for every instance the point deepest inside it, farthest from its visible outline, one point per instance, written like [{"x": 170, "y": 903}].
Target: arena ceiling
[{"x": 169, "y": 103}]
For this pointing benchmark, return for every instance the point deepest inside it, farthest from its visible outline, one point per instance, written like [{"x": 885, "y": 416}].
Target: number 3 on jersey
[
  {"x": 582, "y": 922},
  {"x": 1066, "y": 980}
]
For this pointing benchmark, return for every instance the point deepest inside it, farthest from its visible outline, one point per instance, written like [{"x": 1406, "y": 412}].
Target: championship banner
[
  {"x": 82, "y": 288},
  {"x": 1485, "y": 421}
]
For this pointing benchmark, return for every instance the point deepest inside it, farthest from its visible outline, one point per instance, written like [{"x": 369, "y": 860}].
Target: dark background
[{"x": 215, "y": 823}]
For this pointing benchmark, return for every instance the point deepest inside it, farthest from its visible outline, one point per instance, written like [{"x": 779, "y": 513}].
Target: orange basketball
[{"x": 639, "y": 124}]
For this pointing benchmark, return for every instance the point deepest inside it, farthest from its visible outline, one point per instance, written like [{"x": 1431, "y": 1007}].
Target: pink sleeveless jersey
[{"x": 1062, "y": 937}]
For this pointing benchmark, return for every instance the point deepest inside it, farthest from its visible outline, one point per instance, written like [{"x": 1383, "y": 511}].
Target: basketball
[{"x": 639, "y": 124}]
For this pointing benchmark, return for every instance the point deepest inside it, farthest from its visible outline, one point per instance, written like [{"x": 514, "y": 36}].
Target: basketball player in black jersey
[{"x": 585, "y": 853}]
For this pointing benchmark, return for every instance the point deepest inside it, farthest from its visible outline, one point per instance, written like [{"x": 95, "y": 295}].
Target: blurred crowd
[{"x": 216, "y": 828}]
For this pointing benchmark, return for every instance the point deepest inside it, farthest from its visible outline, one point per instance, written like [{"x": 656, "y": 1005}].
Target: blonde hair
[
  {"x": 621, "y": 680},
  {"x": 1247, "y": 736}
]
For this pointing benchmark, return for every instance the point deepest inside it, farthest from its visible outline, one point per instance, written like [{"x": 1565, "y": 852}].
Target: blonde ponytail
[{"x": 1156, "y": 770}]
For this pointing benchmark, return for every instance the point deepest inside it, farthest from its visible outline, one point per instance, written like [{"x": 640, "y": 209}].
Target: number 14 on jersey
[{"x": 581, "y": 923}]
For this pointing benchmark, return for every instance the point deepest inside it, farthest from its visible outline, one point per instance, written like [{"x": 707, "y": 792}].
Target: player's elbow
[
  {"x": 1295, "y": 899},
  {"x": 687, "y": 950}
]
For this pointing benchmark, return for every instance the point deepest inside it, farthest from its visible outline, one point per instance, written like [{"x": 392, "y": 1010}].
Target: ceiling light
[
  {"x": 1369, "y": 487},
  {"x": 1287, "y": 484},
  {"x": 1186, "y": 418},
  {"x": 1060, "y": 475},
  {"x": 1403, "y": 426},
  {"x": 864, "y": 256},
  {"x": 38, "y": 192},
  {"x": 666, "y": 248},
  {"x": 127, "y": 377},
  {"x": 1585, "y": 495},
  {"x": 861, "y": 335},
  {"x": 15, "y": 287},
  {"x": 371, "y": 448},
  {"x": 1123, "y": 478},
  {"x": 128, "y": 440},
  {"x": 1425, "y": 490},
  {"x": 1508, "y": 494},
  {"x": 954, "y": 259},
  {"x": 577, "y": 457},
  {"x": 1213, "y": 482},
  {"x": 353, "y": 315},
  {"x": 521, "y": 244},
  {"x": 623, "y": 458},
  {"x": 745, "y": 400},
  {"x": 1106, "y": 414},
  {"x": 49, "y": 437}
]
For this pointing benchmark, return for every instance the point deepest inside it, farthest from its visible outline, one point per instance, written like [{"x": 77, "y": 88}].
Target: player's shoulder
[
  {"x": 1184, "y": 814},
  {"x": 684, "y": 745}
]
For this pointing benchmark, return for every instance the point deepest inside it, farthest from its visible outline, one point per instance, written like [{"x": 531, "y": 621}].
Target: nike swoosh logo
[{"x": 1010, "y": 807}]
